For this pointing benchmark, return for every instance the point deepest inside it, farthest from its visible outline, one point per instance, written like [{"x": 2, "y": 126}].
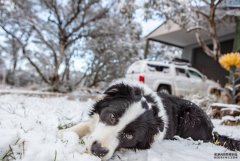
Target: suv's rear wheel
[{"x": 164, "y": 89}]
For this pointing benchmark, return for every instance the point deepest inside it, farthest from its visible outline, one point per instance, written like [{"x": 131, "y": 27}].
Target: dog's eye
[
  {"x": 112, "y": 119},
  {"x": 128, "y": 136}
]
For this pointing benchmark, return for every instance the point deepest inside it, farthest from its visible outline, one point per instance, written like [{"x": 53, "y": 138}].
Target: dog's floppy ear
[
  {"x": 113, "y": 90},
  {"x": 124, "y": 90},
  {"x": 118, "y": 90}
]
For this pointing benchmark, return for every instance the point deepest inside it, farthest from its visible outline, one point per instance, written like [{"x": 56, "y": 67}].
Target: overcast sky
[{"x": 149, "y": 26}]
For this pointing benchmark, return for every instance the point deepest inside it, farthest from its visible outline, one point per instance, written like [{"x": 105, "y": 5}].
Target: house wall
[
  {"x": 207, "y": 65},
  {"x": 188, "y": 50},
  {"x": 210, "y": 67}
]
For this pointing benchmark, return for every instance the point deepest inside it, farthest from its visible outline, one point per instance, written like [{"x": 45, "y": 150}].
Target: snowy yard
[{"x": 29, "y": 131}]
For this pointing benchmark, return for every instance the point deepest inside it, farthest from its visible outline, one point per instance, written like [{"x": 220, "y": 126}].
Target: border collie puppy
[{"x": 132, "y": 116}]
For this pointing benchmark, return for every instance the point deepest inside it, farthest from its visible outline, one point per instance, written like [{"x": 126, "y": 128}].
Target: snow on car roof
[{"x": 166, "y": 62}]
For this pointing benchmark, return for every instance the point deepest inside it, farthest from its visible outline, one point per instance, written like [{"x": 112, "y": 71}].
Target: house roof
[{"x": 171, "y": 33}]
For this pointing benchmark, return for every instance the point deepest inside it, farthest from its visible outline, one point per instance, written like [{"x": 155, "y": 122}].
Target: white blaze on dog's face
[
  {"x": 106, "y": 132},
  {"x": 123, "y": 117}
]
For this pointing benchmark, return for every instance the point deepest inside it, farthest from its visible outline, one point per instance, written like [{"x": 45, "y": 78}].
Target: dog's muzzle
[{"x": 98, "y": 150}]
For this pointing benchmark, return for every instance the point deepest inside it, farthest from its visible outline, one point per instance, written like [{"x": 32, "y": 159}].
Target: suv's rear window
[
  {"x": 135, "y": 68},
  {"x": 158, "y": 68}
]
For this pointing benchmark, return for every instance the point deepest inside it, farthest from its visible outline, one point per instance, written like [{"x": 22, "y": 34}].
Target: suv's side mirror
[{"x": 204, "y": 78}]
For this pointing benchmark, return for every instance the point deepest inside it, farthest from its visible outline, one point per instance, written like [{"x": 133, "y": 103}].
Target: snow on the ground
[
  {"x": 226, "y": 105},
  {"x": 29, "y": 131},
  {"x": 230, "y": 118}
]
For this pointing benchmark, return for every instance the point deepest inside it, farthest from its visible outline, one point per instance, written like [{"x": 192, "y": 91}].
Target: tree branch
[
  {"x": 35, "y": 66},
  {"x": 202, "y": 14},
  {"x": 205, "y": 48},
  {"x": 23, "y": 45},
  {"x": 75, "y": 14},
  {"x": 98, "y": 16},
  {"x": 197, "y": 28},
  {"x": 52, "y": 4},
  {"x": 47, "y": 44}
]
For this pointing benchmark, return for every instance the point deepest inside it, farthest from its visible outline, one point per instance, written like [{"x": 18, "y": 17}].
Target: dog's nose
[{"x": 98, "y": 150}]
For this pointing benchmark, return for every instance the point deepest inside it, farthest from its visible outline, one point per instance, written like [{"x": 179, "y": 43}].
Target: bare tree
[
  {"x": 198, "y": 16},
  {"x": 3, "y": 71},
  {"x": 158, "y": 51},
  {"x": 111, "y": 55},
  {"x": 67, "y": 23},
  {"x": 17, "y": 34},
  {"x": 55, "y": 33},
  {"x": 13, "y": 48},
  {"x": 210, "y": 18}
]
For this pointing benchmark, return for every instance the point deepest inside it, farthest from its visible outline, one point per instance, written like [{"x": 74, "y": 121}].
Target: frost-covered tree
[
  {"x": 51, "y": 34},
  {"x": 47, "y": 30},
  {"x": 3, "y": 71},
  {"x": 67, "y": 22},
  {"x": 158, "y": 51},
  {"x": 113, "y": 53},
  {"x": 198, "y": 16},
  {"x": 15, "y": 33},
  {"x": 193, "y": 16}
]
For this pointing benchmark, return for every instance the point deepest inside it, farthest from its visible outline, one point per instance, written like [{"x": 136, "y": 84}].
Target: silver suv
[{"x": 176, "y": 78}]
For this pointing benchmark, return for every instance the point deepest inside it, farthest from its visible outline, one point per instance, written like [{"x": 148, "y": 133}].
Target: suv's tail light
[{"x": 141, "y": 79}]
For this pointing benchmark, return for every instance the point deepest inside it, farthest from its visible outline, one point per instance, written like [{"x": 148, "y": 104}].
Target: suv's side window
[
  {"x": 158, "y": 68},
  {"x": 181, "y": 72},
  {"x": 194, "y": 74}
]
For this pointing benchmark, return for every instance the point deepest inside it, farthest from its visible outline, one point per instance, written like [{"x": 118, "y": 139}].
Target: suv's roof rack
[{"x": 179, "y": 61}]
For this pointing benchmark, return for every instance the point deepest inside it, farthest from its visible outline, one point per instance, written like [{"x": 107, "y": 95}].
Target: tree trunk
[
  {"x": 236, "y": 45},
  {"x": 56, "y": 78},
  {"x": 94, "y": 81}
]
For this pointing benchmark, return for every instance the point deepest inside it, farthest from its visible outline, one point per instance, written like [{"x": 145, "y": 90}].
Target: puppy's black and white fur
[{"x": 132, "y": 116}]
